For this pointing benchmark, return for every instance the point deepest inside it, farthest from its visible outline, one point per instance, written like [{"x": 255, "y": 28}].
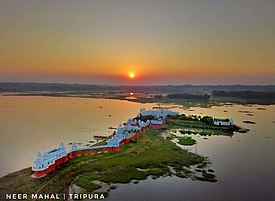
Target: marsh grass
[
  {"x": 187, "y": 141},
  {"x": 151, "y": 152}
]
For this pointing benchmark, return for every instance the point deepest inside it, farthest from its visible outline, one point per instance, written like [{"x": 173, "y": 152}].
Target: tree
[{"x": 207, "y": 120}]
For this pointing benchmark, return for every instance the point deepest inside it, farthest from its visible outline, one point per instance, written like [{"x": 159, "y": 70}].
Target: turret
[
  {"x": 231, "y": 121},
  {"x": 74, "y": 146},
  {"x": 113, "y": 142},
  {"x": 39, "y": 156}
]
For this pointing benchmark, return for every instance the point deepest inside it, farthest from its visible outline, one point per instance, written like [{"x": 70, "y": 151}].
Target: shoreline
[
  {"x": 57, "y": 182},
  {"x": 74, "y": 168},
  {"x": 142, "y": 98}
]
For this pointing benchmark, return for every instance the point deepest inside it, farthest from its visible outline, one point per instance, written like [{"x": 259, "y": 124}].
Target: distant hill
[{"x": 191, "y": 89}]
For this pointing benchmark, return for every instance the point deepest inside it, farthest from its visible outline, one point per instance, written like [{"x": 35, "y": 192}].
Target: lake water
[
  {"x": 31, "y": 124},
  {"x": 244, "y": 163}
]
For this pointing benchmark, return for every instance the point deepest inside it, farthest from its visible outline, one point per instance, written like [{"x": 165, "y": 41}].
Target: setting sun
[{"x": 131, "y": 75}]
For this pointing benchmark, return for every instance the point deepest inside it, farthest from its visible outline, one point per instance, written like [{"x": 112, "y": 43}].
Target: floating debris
[
  {"x": 245, "y": 111},
  {"x": 110, "y": 127},
  {"x": 113, "y": 186},
  {"x": 210, "y": 170},
  {"x": 198, "y": 170},
  {"x": 249, "y": 122},
  {"x": 100, "y": 136},
  {"x": 243, "y": 130}
]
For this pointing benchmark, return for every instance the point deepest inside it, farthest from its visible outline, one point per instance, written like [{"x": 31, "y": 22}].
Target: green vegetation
[
  {"x": 186, "y": 95},
  {"x": 150, "y": 155},
  {"x": 202, "y": 178},
  {"x": 202, "y": 165},
  {"x": 200, "y": 131},
  {"x": 207, "y": 120},
  {"x": 188, "y": 141},
  {"x": 87, "y": 184},
  {"x": 206, "y": 177},
  {"x": 194, "y": 119},
  {"x": 186, "y": 103},
  {"x": 196, "y": 125},
  {"x": 182, "y": 172},
  {"x": 113, "y": 187},
  {"x": 204, "y": 97},
  {"x": 203, "y": 132},
  {"x": 145, "y": 118},
  {"x": 245, "y": 96}
]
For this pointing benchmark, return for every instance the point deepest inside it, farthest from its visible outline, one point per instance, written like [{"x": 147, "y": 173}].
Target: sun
[{"x": 132, "y": 75}]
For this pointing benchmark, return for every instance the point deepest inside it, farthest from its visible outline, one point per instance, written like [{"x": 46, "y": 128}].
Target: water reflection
[
  {"x": 32, "y": 124},
  {"x": 243, "y": 163}
]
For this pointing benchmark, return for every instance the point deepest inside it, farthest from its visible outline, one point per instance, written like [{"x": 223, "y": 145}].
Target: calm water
[
  {"x": 32, "y": 124},
  {"x": 244, "y": 163}
]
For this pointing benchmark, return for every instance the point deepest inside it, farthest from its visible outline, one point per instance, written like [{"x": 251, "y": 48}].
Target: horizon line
[{"x": 129, "y": 85}]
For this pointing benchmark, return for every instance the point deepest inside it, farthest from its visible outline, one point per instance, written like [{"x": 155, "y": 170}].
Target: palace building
[{"x": 131, "y": 131}]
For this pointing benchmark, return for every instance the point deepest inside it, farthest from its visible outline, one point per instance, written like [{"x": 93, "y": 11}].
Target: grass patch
[
  {"x": 207, "y": 177},
  {"x": 151, "y": 152},
  {"x": 157, "y": 171},
  {"x": 180, "y": 174},
  {"x": 113, "y": 187},
  {"x": 121, "y": 174},
  {"x": 91, "y": 177},
  {"x": 196, "y": 127},
  {"x": 87, "y": 184},
  {"x": 187, "y": 141}
]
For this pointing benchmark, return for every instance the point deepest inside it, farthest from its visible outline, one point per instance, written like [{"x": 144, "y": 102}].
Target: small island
[
  {"x": 148, "y": 155},
  {"x": 187, "y": 141}
]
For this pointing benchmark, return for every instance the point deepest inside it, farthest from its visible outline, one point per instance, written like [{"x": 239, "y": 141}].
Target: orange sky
[{"x": 180, "y": 42}]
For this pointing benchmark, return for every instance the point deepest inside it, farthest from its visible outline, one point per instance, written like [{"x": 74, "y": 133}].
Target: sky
[{"x": 160, "y": 41}]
